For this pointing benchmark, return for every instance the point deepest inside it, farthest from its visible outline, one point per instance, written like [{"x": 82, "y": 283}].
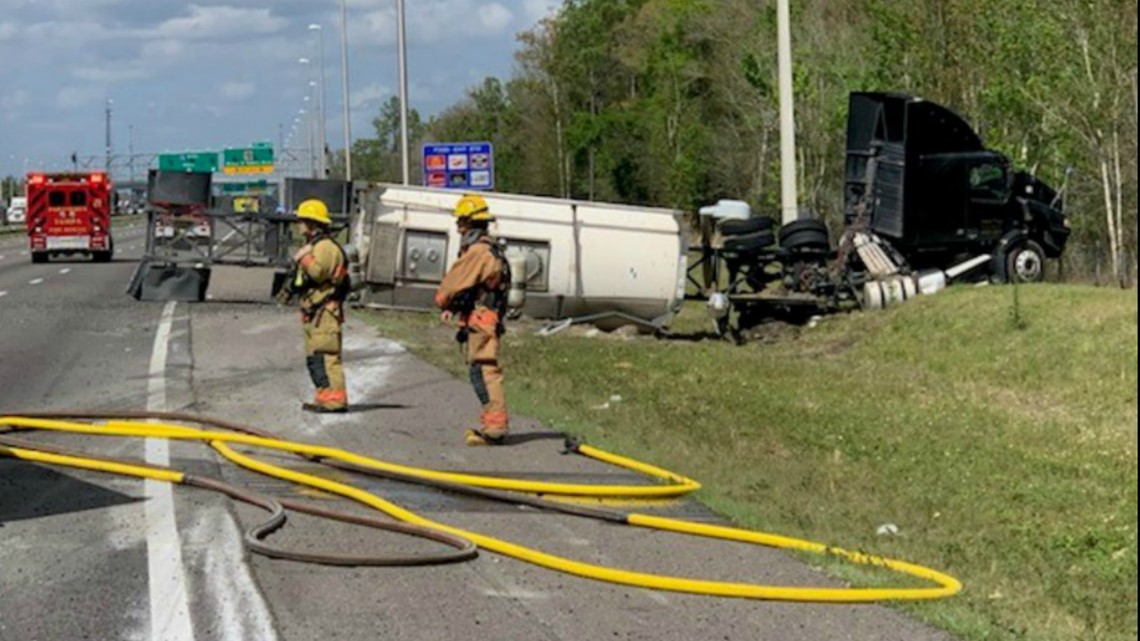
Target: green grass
[{"x": 1002, "y": 444}]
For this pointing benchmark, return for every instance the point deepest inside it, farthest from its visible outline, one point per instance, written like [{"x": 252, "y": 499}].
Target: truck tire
[
  {"x": 750, "y": 243},
  {"x": 805, "y": 235},
  {"x": 1025, "y": 263},
  {"x": 39, "y": 257},
  {"x": 744, "y": 227},
  {"x": 105, "y": 256}
]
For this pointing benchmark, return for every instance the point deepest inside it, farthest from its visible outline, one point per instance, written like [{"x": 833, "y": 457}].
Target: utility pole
[
  {"x": 131, "y": 151},
  {"x": 402, "y": 44},
  {"x": 108, "y": 165},
  {"x": 322, "y": 133},
  {"x": 344, "y": 89},
  {"x": 309, "y": 131},
  {"x": 788, "y": 177}
]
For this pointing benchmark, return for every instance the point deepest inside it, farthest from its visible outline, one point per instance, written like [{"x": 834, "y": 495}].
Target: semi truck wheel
[
  {"x": 744, "y": 227},
  {"x": 804, "y": 235},
  {"x": 39, "y": 257},
  {"x": 750, "y": 243},
  {"x": 1025, "y": 263}
]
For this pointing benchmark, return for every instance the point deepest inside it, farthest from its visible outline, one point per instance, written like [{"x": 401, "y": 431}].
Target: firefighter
[
  {"x": 474, "y": 292},
  {"x": 322, "y": 283}
]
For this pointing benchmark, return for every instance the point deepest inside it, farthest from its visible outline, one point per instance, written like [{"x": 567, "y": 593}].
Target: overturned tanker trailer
[{"x": 607, "y": 264}]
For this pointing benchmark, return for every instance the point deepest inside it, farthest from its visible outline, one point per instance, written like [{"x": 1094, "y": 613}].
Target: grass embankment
[{"x": 1003, "y": 446}]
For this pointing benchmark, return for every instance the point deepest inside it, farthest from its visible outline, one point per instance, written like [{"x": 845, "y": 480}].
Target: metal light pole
[
  {"x": 131, "y": 151},
  {"x": 309, "y": 127},
  {"x": 788, "y": 187},
  {"x": 315, "y": 128},
  {"x": 321, "y": 116},
  {"x": 108, "y": 165},
  {"x": 344, "y": 89},
  {"x": 402, "y": 44},
  {"x": 292, "y": 134}
]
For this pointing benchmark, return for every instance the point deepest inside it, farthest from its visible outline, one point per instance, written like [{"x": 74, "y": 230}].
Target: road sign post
[{"x": 468, "y": 166}]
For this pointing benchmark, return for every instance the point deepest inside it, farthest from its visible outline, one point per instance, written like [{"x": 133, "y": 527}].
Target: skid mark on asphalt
[
  {"x": 236, "y": 607},
  {"x": 365, "y": 376}
]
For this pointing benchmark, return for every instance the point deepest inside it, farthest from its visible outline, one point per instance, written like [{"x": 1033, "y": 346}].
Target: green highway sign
[
  {"x": 205, "y": 162},
  {"x": 255, "y": 159}
]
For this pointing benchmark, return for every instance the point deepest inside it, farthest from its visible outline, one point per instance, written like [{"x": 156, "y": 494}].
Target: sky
[{"x": 221, "y": 73}]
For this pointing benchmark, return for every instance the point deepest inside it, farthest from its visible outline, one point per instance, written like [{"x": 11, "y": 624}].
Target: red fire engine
[{"x": 68, "y": 214}]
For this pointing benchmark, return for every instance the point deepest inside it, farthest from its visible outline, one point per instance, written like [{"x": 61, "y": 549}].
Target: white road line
[
  {"x": 38, "y": 281},
  {"x": 3, "y": 294},
  {"x": 65, "y": 270},
  {"x": 169, "y": 600}
]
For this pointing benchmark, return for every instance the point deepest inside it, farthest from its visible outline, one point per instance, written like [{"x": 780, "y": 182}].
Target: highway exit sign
[
  {"x": 199, "y": 162},
  {"x": 256, "y": 159}
]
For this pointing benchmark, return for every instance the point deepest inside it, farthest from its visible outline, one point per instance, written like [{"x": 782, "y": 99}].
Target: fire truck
[{"x": 69, "y": 214}]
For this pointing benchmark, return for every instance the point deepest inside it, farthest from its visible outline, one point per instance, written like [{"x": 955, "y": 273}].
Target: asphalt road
[{"x": 90, "y": 556}]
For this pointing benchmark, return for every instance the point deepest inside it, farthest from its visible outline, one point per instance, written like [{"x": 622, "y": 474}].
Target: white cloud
[
  {"x": 373, "y": 94},
  {"x": 431, "y": 21},
  {"x": 163, "y": 49},
  {"x": 538, "y": 9},
  {"x": 237, "y": 91},
  {"x": 495, "y": 17},
  {"x": 12, "y": 103},
  {"x": 218, "y": 22},
  {"x": 75, "y": 97},
  {"x": 107, "y": 74}
]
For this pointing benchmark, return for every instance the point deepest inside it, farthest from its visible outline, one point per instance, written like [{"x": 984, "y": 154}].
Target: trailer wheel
[
  {"x": 744, "y": 227},
  {"x": 1025, "y": 263},
  {"x": 750, "y": 243},
  {"x": 39, "y": 257},
  {"x": 804, "y": 235}
]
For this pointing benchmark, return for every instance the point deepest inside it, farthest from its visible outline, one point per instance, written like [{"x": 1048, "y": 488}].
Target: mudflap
[{"x": 160, "y": 282}]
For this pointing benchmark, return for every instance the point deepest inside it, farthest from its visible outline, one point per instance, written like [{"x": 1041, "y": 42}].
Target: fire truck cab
[{"x": 69, "y": 214}]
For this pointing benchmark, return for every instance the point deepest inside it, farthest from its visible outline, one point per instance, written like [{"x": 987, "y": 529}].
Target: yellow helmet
[
  {"x": 474, "y": 208},
  {"x": 315, "y": 211}
]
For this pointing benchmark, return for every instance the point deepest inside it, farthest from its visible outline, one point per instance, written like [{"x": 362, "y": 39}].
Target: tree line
[{"x": 674, "y": 102}]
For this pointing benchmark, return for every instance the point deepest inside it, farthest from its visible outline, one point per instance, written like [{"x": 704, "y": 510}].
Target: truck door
[{"x": 990, "y": 192}]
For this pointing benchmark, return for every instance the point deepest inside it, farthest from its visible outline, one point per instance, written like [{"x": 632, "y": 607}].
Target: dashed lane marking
[{"x": 37, "y": 281}]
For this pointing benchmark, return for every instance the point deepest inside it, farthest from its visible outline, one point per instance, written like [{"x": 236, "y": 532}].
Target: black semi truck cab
[{"x": 921, "y": 177}]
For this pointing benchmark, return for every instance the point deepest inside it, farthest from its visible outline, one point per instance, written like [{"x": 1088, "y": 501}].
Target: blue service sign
[{"x": 468, "y": 166}]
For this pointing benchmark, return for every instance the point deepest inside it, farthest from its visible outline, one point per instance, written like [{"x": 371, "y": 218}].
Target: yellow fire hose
[{"x": 676, "y": 485}]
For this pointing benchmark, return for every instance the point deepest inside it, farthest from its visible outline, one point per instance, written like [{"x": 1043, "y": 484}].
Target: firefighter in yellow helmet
[
  {"x": 323, "y": 284},
  {"x": 474, "y": 292}
]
